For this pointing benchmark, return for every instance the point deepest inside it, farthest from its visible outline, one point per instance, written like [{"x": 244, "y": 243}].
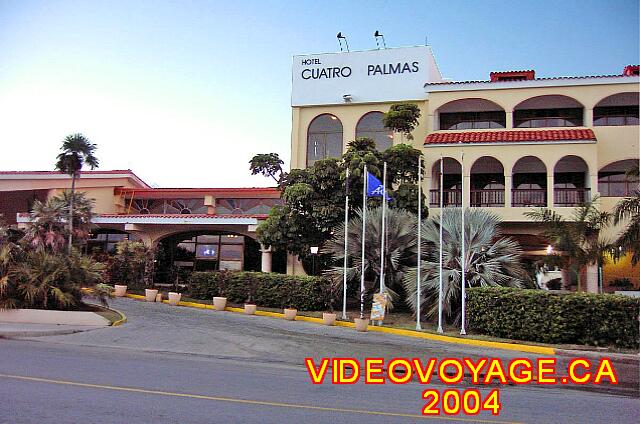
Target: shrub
[
  {"x": 270, "y": 289},
  {"x": 131, "y": 265},
  {"x": 621, "y": 283},
  {"x": 537, "y": 315},
  {"x": 43, "y": 280}
]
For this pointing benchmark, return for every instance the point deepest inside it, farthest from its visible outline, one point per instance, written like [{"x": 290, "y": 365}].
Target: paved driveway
[{"x": 160, "y": 327}]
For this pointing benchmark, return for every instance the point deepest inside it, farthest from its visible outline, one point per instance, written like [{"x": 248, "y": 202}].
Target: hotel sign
[{"x": 367, "y": 76}]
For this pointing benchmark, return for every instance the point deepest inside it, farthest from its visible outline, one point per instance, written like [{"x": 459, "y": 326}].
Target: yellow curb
[
  {"x": 121, "y": 320},
  {"x": 459, "y": 340},
  {"x": 396, "y": 331}
]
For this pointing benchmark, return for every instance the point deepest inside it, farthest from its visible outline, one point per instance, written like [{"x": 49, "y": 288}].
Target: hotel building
[{"x": 512, "y": 142}]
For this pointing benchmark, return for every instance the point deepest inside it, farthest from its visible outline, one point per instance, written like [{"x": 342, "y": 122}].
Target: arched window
[
  {"x": 548, "y": 111},
  {"x": 614, "y": 179},
  {"x": 529, "y": 176},
  {"x": 371, "y": 126},
  {"x": 618, "y": 109},
  {"x": 570, "y": 181},
  {"x": 465, "y": 114},
  {"x": 324, "y": 138},
  {"x": 487, "y": 183}
]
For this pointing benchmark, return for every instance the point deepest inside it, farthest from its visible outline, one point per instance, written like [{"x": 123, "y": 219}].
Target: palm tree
[
  {"x": 577, "y": 240},
  {"x": 400, "y": 245},
  {"x": 628, "y": 210},
  {"x": 76, "y": 151},
  {"x": 46, "y": 229},
  {"x": 490, "y": 260}
]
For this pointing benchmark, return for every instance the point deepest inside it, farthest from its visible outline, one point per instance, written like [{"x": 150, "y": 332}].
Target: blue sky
[{"x": 185, "y": 92}]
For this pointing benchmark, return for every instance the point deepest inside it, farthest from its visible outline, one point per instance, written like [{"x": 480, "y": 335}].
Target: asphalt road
[{"x": 178, "y": 365}]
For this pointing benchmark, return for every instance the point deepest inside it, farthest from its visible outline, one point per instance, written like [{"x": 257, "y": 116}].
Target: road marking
[{"x": 247, "y": 401}]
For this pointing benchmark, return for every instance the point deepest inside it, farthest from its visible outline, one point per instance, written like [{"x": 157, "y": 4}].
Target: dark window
[
  {"x": 372, "y": 126},
  {"x": 616, "y": 184},
  {"x": 324, "y": 138},
  {"x": 472, "y": 120},
  {"x": 540, "y": 118},
  {"x": 105, "y": 242},
  {"x": 615, "y": 115}
]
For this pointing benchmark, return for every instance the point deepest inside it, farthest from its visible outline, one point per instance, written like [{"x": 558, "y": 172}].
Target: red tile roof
[
  {"x": 509, "y": 136},
  {"x": 177, "y": 215},
  {"x": 528, "y": 74},
  {"x": 536, "y": 79},
  {"x": 26, "y": 174},
  {"x": 111, "y": 171}
]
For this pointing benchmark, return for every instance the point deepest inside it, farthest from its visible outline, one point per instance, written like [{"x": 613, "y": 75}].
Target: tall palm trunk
[{"x": 73, "y": 194}]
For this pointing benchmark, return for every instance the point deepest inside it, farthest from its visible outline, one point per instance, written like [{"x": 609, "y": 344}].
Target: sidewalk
[{"x": 15, "y": 330}]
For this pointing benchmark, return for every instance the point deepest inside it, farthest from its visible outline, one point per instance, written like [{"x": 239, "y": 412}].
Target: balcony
[
  {"x": 531, "y": 197},
  {"x": 452, "y": 197},
  {"x": 564, "y": 197},
  {"x": 487, "y": 198}
]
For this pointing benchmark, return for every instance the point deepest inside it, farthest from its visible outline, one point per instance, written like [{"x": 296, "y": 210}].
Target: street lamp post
[{"x": 314, "y": 253}]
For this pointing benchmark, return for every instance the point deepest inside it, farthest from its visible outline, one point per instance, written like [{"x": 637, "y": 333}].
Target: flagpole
[
  {"x": 418, "y": 276},
  {"x": 364, "y": 223},
  {"x": 463, "y": 330},
  {"x": 382, "y": 242},
  {"x": 440, "y": 283},
  {"x": 346, "y": 232}
]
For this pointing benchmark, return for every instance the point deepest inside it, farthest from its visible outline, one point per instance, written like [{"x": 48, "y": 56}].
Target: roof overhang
[
  {"x": 84, "y": 175},
  {"x": 479, "y": 138},
  {"x": 164, "y": 219},
  {"x": 541, "y": 82}
]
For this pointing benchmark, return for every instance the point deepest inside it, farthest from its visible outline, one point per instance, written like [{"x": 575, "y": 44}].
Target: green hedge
[
  {"x": 271, "y": 290},
  {"x": 541, "y": 316}
]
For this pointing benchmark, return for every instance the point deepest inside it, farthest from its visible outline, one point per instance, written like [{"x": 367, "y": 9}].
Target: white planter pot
[
  {"x": 120, "y": 291},
  {"x": 219, "y": 303},
  {"x": 150, "y": 295},
  {"x": 174, "y": 298},
  {"x": 328, "y": 319},
  {"x": 361, "y": 324},
  {"x": 250, "y": 308},
  {"x": 290, "y": 314}
]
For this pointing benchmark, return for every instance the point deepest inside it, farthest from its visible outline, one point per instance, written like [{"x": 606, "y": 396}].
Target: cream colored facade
[{"x": 611, "y": 144}]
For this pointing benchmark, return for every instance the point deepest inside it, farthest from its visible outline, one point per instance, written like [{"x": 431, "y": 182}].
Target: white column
[
  {"x": 509, "y": 120},
  {"x": 266, "y": 258},
  {"x": 588, "y": 117},
  {"x": 592, "y": 279},
  {"x": 466, "y": 187},
  {"x": 550, "y": 188},
  {"x": 507, "y": 191}
]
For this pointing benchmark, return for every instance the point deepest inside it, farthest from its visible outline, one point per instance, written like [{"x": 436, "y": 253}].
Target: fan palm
[
  {"x": 46, "y": 227},
  {"x": 577, "y": 238},
  {"x": 400, "y": 244},
  {"x": 490, "y": 260},
  {"x": 76, "y": 151},
  {"x": 628, "y": 210}
]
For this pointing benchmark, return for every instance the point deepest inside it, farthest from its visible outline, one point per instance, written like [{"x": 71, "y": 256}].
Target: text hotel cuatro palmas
[{"x": 451, "y": 371}]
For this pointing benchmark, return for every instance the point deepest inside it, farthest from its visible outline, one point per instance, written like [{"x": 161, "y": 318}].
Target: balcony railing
[
  {"x": 570, "y": 196},
  {"x": 487, "y": 198},
  {"x": 452, "y": 197},
  {"x": 529, "y": 197}
]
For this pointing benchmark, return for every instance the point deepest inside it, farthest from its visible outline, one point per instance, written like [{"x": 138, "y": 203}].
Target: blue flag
[{"x": 374, "y": 187}]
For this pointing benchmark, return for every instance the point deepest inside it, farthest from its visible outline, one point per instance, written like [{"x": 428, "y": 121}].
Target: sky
[{"x": 184, "y": 93}]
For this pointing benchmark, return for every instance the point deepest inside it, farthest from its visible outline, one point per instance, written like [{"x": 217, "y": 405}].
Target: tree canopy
[{"x": 314, "y": 198}]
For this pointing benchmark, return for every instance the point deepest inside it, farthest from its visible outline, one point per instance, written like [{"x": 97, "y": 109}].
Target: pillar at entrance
[
  {"x": 266, "y": 258},
  {"x": 592, "y": 279}
]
